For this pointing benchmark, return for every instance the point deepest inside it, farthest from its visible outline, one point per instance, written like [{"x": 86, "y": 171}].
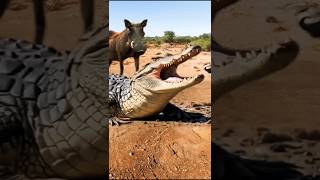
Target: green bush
[
  {"x": 182, "y": 39},
  {"x": 203, "y": 40},
  {"x": 169, "y": 36},
  {"x": 204, "y": 43}
]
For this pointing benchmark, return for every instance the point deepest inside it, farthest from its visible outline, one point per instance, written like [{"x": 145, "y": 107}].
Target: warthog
[
  {"x": 128, "y": 43},
  {"x": 87, "y": 11}
]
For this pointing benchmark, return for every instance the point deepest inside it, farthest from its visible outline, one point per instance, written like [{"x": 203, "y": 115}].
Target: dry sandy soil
[
  {"x": 139, "y": 150},
  {"x": 275, "y": 118}
]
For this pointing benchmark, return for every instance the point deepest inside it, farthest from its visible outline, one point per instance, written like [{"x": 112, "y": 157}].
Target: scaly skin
[{"x": 53, "y": 109}]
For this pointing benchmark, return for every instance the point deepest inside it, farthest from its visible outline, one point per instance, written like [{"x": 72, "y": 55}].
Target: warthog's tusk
[{"x": 131, "y": 44}]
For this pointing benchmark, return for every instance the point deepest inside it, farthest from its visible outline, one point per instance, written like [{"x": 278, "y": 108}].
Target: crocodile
[
  {"x": 149, "y": 91},
  {"x": 53, "y": 109}
]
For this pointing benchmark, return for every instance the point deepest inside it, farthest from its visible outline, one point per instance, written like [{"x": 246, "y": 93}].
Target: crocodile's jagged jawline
[{"x": 233, "y": 68}]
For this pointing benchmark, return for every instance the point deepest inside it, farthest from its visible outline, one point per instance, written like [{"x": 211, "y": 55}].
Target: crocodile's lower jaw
[{"x": 150, "y": 98}]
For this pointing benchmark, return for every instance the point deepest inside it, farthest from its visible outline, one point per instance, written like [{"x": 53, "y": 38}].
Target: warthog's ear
[
  {"x": 128, "y": 24},
  {"x": 144, "y": 23}
]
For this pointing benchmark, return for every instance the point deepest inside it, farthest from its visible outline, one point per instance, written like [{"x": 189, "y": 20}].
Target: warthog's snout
[
  {"x": 140, "y": 52},
  {"x": 139, "y": 48}
]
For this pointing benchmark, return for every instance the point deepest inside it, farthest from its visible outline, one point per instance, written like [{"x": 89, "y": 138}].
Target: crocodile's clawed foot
[
  {"x": 117, "y": 121},
  {"x": 173, "y": 112}
]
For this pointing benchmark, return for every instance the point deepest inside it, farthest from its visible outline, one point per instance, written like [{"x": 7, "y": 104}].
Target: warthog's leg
[
  {"x": 136, "y": 62},
  {"x": 120, "y": 62},
  {"x": 87, "y": 11},
  {"x": 3, "y": 6},
  {"x": 40, "y": 20},
  {"x": 121, "y": 67}
]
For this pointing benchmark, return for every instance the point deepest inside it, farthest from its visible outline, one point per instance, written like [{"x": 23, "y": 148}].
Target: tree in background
[{"x": 169, "y": 36}]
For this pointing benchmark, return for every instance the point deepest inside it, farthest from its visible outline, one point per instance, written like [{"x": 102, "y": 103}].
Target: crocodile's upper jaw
[{"x": 161, "y": 76}]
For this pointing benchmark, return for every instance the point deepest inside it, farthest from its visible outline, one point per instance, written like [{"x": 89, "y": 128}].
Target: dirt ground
[
  {"x": 275, "y": 118},
  {"x": 141, "y": 149},
  {"x": 165, "y": 150}
]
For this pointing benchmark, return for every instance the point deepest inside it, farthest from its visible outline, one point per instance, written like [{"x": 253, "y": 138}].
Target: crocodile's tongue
[{"x": 170, "y": 74}]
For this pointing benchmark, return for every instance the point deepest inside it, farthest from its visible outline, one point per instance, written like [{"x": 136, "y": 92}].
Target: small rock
[
  {"x": 228, "y": 132},
  {"x": 273, "y": 138},
  {"x": 240, "y": 152},
  {"x": 308, "y": 153},
  {"x": 313, "y": 135},
  {"x": 131, "y": 153},
  {"x": 247, "y": 142},
  {"x": 271, "y": 19},
  {"x": 280, "y": 29},
  {"x": 284, "y": 147},
  {"x": 309, "y": 161},
  {"x": 262, "y": 130},
  {"x": 195, "y": 104}
]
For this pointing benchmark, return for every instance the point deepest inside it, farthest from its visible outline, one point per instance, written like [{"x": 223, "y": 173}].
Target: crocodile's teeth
[
  {"x": 253, "y": 53},
  {"x": 238, "y": 56},
  {"x": 248, "y": 56}
]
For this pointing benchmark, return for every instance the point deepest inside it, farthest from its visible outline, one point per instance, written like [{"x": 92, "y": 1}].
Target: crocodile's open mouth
[{"x": 167, "y": 71}]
